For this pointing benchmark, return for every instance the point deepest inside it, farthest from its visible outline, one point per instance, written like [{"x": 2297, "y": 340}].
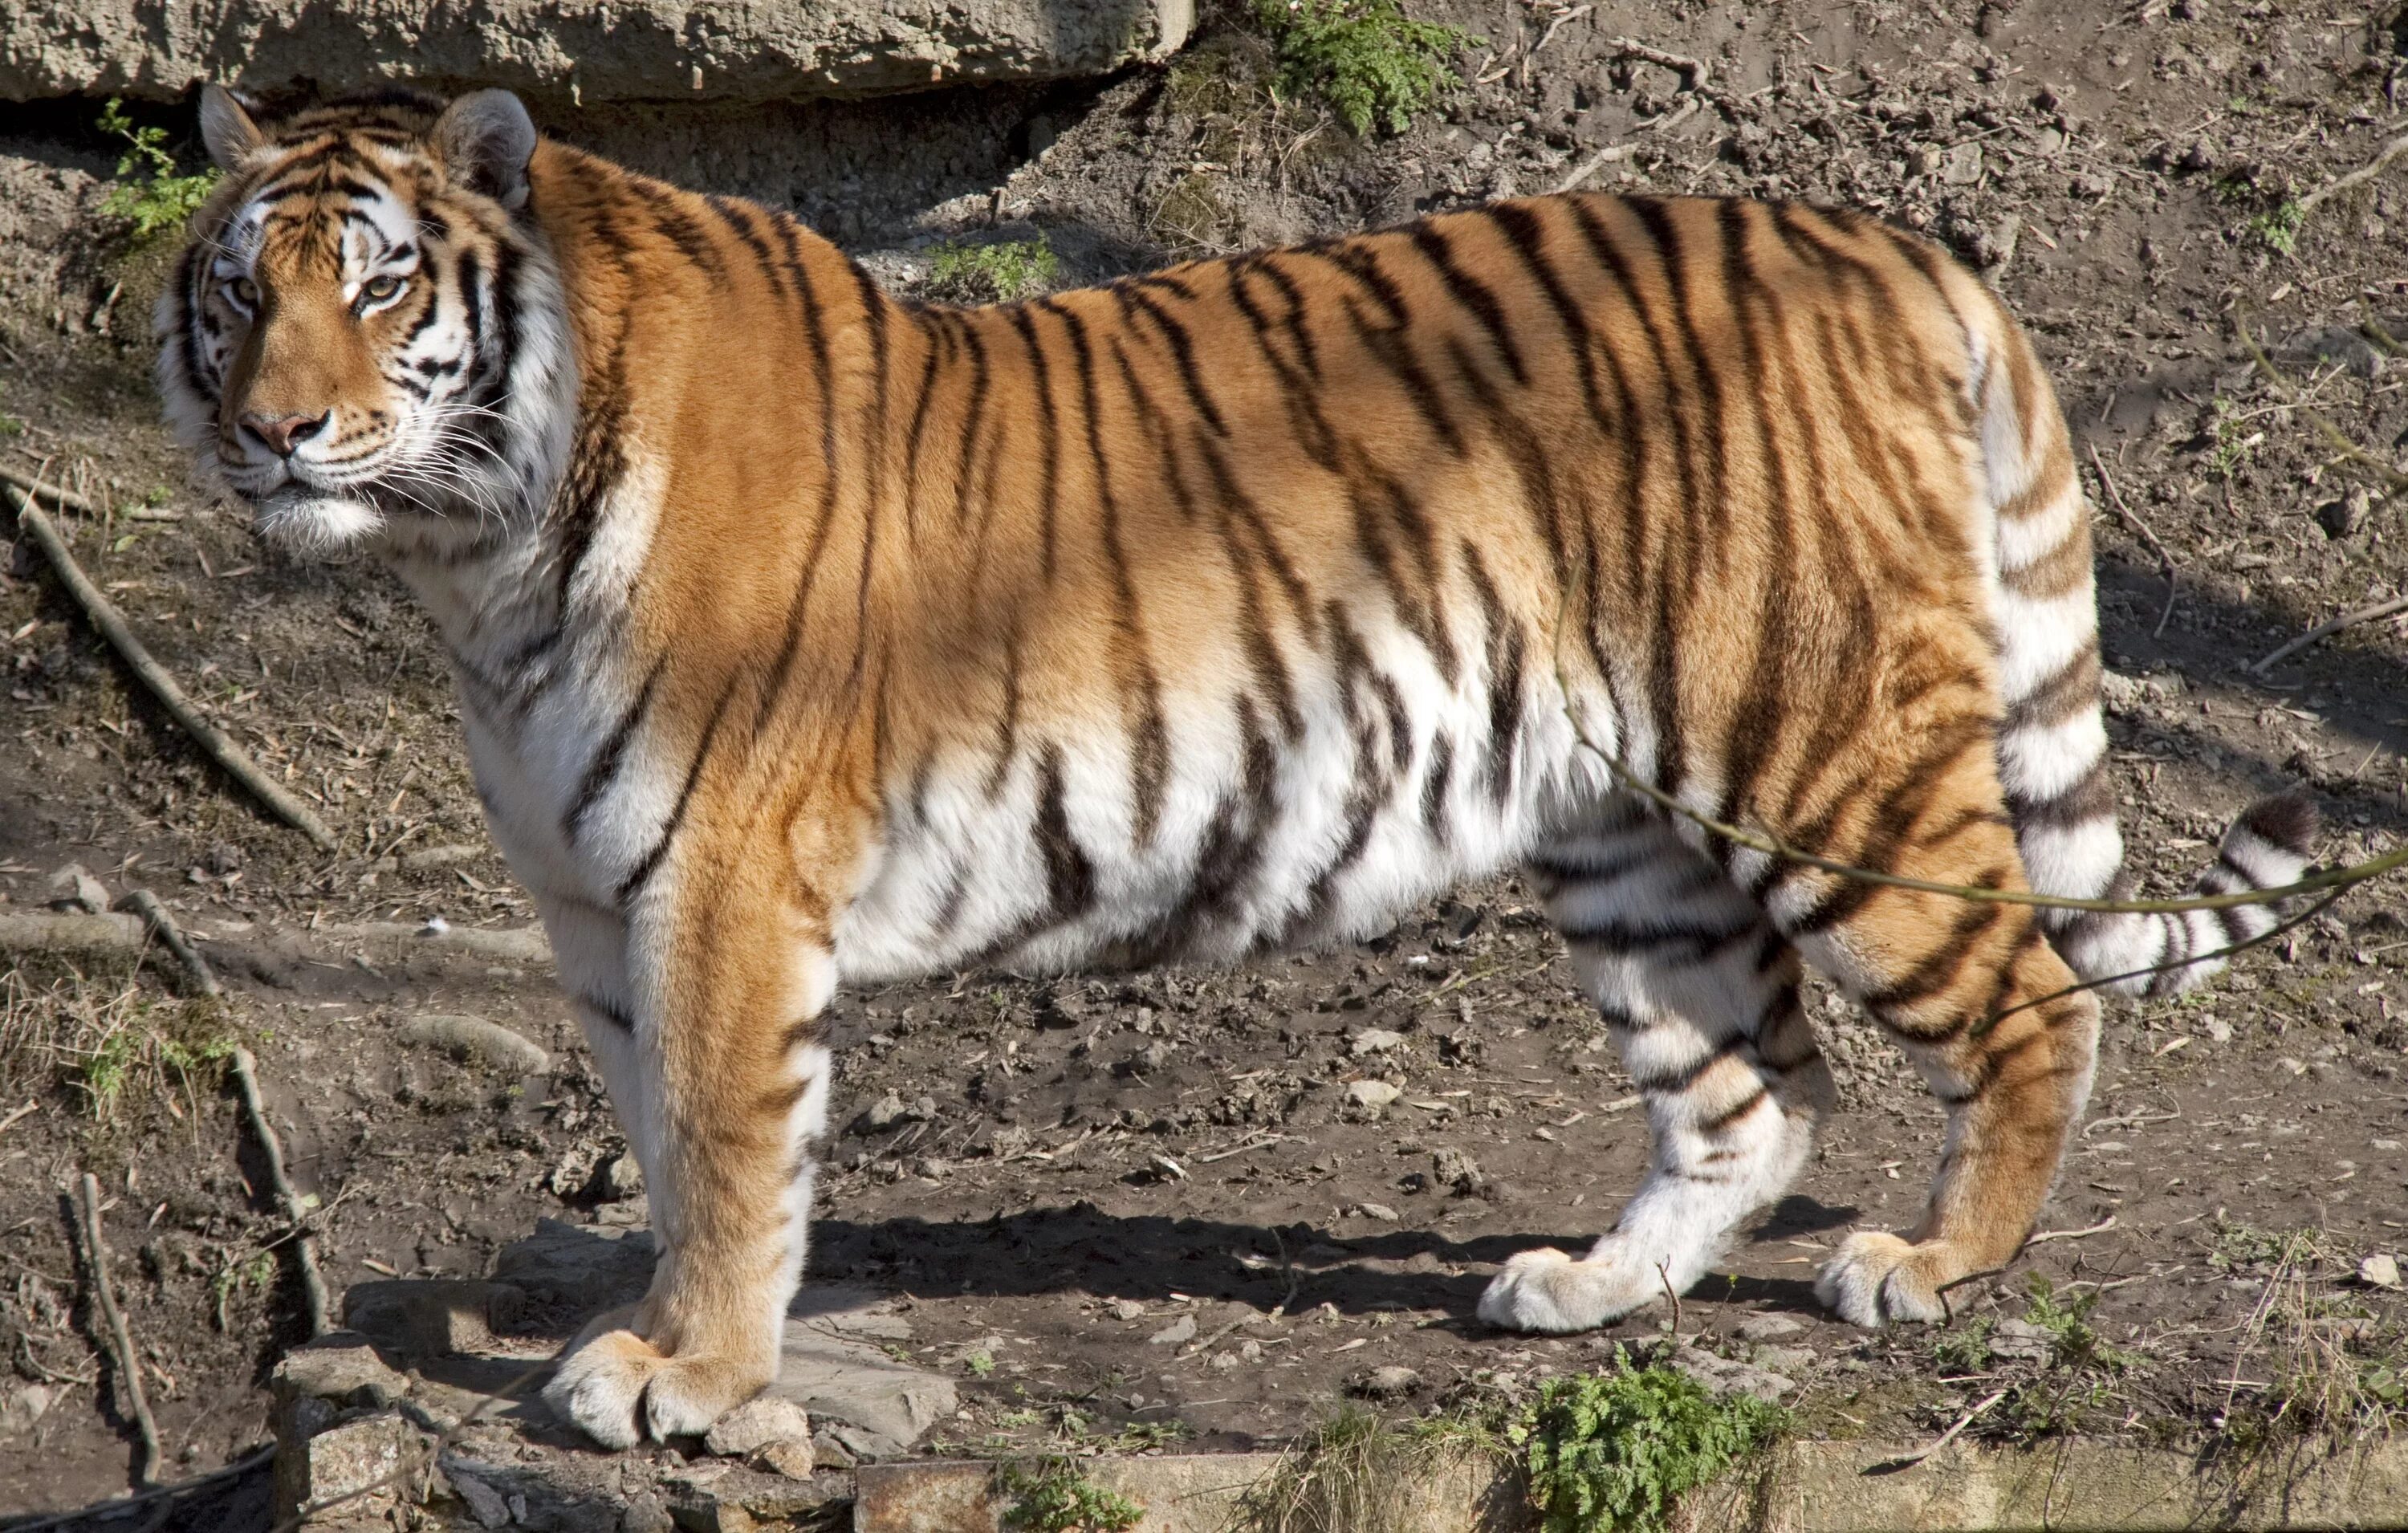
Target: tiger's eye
[
  {"x": 245, "y": 291},
  {"x": 380, "y": 289}
]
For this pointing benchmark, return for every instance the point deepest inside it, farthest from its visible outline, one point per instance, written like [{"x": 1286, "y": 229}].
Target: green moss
[
  {"x": 1375, "y": 65},
  {"x": 1002, "y": 273},
  {"x": 1615, "y": 1451}
]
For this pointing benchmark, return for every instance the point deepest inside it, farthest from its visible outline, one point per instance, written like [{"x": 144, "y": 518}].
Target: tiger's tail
[{"x": 2053, "y": 743}]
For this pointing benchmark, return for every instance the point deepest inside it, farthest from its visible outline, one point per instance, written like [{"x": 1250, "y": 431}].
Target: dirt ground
[{"x": 1138, "y": 1210}]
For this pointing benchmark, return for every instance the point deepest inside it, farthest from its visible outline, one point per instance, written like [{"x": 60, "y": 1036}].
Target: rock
[
  {"x": 1375, "y": 1040},
  {"x": 341, "y": 1366},
  {"x": 1182, "y": 1329},
  {"x": 475, "y": 1039},
  {"x": 1784, "y": 1360},
  {"x": 861, "y": 1445},
  {"x": 1770, "y": 1328},
  {"x": 2217, "y": 1030},
  {"x": 645, "y": 1512},
  {"x": 2019, "y": 1338},
  {"x": 2379, "y": 1271},
  {"x": 1720, "y": 1376},
  {"x": 890, "y": 1110},
  {"x": 1127, "y": 1309},
  {"x": 831, "y": 1454},
  {"x": 772, "y": 1432},
  {"x": 1962, "y": 166},
  {"x": 20, "y": 1409},
  {"x": 1370, "y": 1096},
  {"x": 433, "y": 1317},
  {"x": 578, "y": 1267},
  {"x": 587, "y": 50},
  {"x": 1457, "y": 1173},
  {"x": 623, "y": 1178},
  {"x": 380, "y": 1451},
  {"x": 72, "y": 888},
  {"x": 485, "y": 1503},
  {"x": 2342, "y": 516},
  {"x": 845, "y": 1383},
  {"x": 1389, "y": 1382},
  {"x": 1380, "y": 1211}
]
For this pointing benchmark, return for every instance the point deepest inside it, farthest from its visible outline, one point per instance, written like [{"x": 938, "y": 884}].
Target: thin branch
[
  {"x": 1669, "y": 1292},
  {"x": 313, "y": 1282},
  {"x": 108, "y": 1511},
  {"x": 120, "y": 1341},
  {"x": 2132, "y": 519},
  {"x": 1944, "y": 1439},
  {"x": 1694, "y": 73},
  {"x": 2106, "y": 1224},
  {"x": 142, "y": 902},
  {"x": 2324, "y": 630},
  {"x": 220, "y": 749},
  {"x": 2360, "y": 177},
  {"x": 67, "y": 500}
]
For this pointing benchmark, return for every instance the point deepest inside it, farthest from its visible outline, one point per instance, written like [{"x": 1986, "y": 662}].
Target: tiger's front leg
[{"x": 715, "y": 1074}]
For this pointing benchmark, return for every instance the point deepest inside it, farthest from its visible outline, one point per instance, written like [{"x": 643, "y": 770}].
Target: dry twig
[
  {"x": 142, "y": 902},
  {"x": 313, "y": 1282},
  {"x": 1944, "y": 1439},
  {"x": 109, "y": 1511},
  {"x": 67, "y": 500},
  {"x": 220, "y": 749},
  {"x": 2347, "y": 620},
  {"x": 2360, "y": 177},
  {"x": 119, "y": 1340},
  {"x": 2132, "y": 519},
  {"x": 2106, "y": 1224}
]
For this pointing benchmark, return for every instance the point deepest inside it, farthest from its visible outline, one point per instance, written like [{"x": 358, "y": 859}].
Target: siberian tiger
[{"x": 806, "y": 635}]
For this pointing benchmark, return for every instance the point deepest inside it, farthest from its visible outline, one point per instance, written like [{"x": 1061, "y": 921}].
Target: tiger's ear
[
  {"x": 228, "y": 129},
  {"x": 486, "y": 140}
]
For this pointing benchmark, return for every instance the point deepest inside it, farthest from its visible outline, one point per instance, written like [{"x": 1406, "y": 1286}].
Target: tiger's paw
[
  {"x": 1547, "y": 1290},
  {"x": 619, "y": 1388},
  {"x": 1878, "y": 1277}
]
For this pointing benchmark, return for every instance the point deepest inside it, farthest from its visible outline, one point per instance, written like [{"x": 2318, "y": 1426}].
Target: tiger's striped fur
[{"x": 808, "y": 636}]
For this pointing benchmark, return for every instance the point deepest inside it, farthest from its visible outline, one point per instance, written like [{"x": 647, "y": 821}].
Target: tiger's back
[{"x": 1225, "y": 609}]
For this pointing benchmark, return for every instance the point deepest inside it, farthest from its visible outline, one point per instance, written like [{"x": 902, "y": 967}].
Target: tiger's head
[{"x": 366, "y": 337}]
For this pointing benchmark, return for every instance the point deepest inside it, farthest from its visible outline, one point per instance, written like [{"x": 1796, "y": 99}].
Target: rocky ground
[{"x": 1199, "y": 1208}]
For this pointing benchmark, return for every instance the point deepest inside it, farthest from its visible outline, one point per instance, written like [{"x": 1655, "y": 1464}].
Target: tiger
[{"x": 809, "y": 636}]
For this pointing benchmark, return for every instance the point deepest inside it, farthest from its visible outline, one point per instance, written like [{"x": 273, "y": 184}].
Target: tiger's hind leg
[{"x": 1702, "y": 995}]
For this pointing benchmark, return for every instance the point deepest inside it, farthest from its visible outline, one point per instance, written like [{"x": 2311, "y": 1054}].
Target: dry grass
[
  {"x": 2314, "y": 1363},
  {"x": 116, "y": 1049}
]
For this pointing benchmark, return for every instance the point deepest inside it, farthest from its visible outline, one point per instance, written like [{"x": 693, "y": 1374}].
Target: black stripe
[
  {"x": 647, "y": 865},
  {"x": 1474, "y": 296},
  {"x": 603, "y": 768}
]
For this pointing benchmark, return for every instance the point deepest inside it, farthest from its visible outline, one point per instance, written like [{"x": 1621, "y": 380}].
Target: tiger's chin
[{"x": 311, "y": 522}]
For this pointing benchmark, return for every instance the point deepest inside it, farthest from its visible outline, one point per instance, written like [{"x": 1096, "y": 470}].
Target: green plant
[
  {"x": 2278, "y": 227},
  {"x": 1617, "y": 1450},
  {"x": 981, "y": 1363},
  {"x": 2073, "y": 1342},
  {"x": 1374, "y": 64},
  {"x": 1053, "y": 1496},
  {"x": 1002, "y": 273},
  {"x": 1351, "y": 1472},
  {"x": 149, "y": 192},
  {"x": 1966, "y": 1350}
]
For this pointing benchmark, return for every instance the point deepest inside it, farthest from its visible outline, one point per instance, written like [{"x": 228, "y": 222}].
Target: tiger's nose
[{"x": 283, "y": 433}]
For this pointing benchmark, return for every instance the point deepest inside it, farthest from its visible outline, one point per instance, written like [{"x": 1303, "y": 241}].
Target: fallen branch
[
  {"x": 11, "y": 1121},
  {"x": 1694, "y": 73},
  {"x": 2132, "y": 519},
  {"x": 110, "y": 1510},
  {"x": 2325, "y": 630},
  {"x": 2106, "y": 1224},
  {"x": 1590, "y": 166},
  {"x": 2360, "y": 177},
  {"x": 120, "y": 1341},
  {"x": 222, "y": 750},
  {"x": 142, "y": 902},
  {"x": 313, "y": 1282},
  {"x": 1944, "y": 1439},
  {"x": 67, "y": 500}
]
